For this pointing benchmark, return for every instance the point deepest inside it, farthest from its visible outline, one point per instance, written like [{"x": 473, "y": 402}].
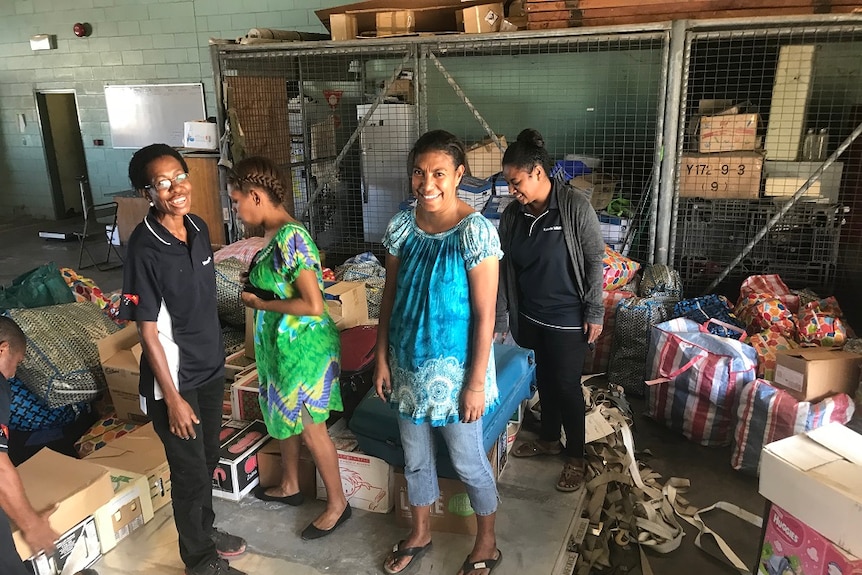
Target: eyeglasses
[{"x": 166, "y": 183}]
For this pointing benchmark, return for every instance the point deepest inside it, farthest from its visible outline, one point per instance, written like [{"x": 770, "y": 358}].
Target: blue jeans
[{"x": 468, "y": 456}]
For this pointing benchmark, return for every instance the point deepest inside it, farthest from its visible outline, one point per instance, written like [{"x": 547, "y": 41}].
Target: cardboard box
[
  {"x": 790, "y": 546},
  {"x": 728, "y": 133},
  {"x": 784, "y": 178},
  {"x": 482, "y": 19},
  {"x": 270, "y": 471},
  {"x": 599, "y": 188},
  {"x": 367, "y": 482},
  {"x": 485, "y": 159},
  {"x": 451, "y": 513},
  {"x": 129, "y": 510},
  {"x": 140, "y": 451},
  {"x": 394, "y": 22},
  {"x": 236, "y": 473},
  {"x": 402, "y": 89},
  {"x": 714, "y": 176},
  {"x": 342, "y": 27},
  {"x": 120, "y": 355},
  {"x": 77, "y": 549},
  {"x": 200, "y": 135},
  {"x": 817, "y": 476},
  {"x": 237, "y": 362},
  {"x": 245, "y": 398},
  {"x": 813, "y": 373},
  {"x": 347, "y": 304},
  {"x": 75, "y": 486},
  {"x": 249, "y": 332}
]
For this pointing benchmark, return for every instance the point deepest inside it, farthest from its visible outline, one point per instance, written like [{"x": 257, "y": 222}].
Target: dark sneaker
[
  {"x": 227, "y": 545},
  {"x": 215, "y": 567}
]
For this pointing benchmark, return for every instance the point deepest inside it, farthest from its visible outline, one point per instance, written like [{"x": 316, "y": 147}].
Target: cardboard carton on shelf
[
  {"x": 120, "y": 355},
  {"x": 813, "y": 373},
  {"x": 728, "y": 133},
  {"x": 598, "y": 187},
  {"x": 130, "y": 508},
  {"x": 817, "y": 477},
  {"x": 728, "y": 175},
  {"x": 76, "y": 487},
  {"x": 485, "y": 158},
  {"x": 395, "y": 22},
  {"x": 343, "y": 27},
  {"x": 482, "y": 19},
  {"x": 140, "y": 451}
]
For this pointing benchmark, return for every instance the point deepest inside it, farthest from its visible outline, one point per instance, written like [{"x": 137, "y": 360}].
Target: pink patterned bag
[
  {"x": 766, "y": 344},
  {"x": 820, "y": 323},
  {"x": 770, "y": 285},
  {"x": 618, "y": 270},
  {"x": 760, "y": 312}
]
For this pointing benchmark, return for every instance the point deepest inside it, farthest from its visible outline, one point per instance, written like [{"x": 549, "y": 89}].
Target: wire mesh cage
[
  {"x": 762, "y": 187},
  {"x": 343, "y": 119}
]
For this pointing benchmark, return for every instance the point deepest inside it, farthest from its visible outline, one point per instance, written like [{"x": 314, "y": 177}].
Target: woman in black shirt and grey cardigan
[{"x": 551, "y": 290}]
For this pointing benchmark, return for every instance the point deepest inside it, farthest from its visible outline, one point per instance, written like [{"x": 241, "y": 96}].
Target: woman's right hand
[
  {"x": 182, "y": 418},
  {"x": 382, "y": 380}
]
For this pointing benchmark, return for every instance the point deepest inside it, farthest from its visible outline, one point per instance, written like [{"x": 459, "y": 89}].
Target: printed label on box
[{"x": 789, "y": 378}]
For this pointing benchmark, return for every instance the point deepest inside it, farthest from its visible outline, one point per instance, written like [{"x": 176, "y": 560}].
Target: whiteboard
[{"x": 145, "y": 114}]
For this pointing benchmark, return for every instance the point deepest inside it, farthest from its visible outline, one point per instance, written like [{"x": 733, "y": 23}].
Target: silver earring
[{"x": 151, "y": 203}]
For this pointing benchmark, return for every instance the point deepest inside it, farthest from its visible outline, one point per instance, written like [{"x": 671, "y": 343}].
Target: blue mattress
[{"x": 375, "y": 423}]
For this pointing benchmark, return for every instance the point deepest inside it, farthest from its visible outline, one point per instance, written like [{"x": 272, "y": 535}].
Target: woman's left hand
[
  {"x": 594, "y": 330},
  {"x": 472, "y": 401},
  {"x": 250, "y": 300}
]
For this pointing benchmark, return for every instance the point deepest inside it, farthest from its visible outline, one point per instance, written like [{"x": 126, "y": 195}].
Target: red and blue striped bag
[
  {"x": 696, "y": 380},
  {"x": 767, "y": 414}
]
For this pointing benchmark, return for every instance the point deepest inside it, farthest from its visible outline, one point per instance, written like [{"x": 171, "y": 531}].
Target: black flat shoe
[
  {"x": 312, "y": 532},
  {"x": 293, "y": 500}
]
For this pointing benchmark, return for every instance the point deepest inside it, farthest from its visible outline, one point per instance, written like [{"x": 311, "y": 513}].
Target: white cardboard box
[
  {"x": 200, "y": 135},
  {"x": 368, "y": 482},
  {"x": 817, "y": 477},
  {"x": 129, "y": 510},
  {"x": 77, "y": 549}
]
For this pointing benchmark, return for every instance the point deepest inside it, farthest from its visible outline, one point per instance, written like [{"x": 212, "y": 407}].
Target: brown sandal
[
  {"x": 536, "y": 447},
  {"x": 572, "y": 476}
]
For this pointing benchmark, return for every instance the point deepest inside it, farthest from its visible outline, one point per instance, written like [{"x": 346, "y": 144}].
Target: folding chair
[{"x": 100, "y": 223}]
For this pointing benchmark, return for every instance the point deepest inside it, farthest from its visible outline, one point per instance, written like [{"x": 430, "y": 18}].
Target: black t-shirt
[
  {"x": 547, "y": 292},
  {"x": 173, "y": 283},
  {"x": 5, "y": 406}
]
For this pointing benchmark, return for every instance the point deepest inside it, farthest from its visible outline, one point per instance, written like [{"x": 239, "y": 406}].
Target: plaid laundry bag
[
  {"x": 821, "y": 322},
  {"x": 704, "y": 308},
  {"x": 696, "y": 380},
  {"x": 597, "y": 361},
  {"x": 767, "y": 414}
]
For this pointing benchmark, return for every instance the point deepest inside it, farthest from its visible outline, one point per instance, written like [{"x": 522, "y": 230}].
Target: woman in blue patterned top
[{"x": 434, "y": 360}]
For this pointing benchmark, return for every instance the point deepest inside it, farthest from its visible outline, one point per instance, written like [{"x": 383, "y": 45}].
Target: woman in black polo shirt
[
  {"x": 169, "y": 290},
  {"x": 551, "y": 287}
]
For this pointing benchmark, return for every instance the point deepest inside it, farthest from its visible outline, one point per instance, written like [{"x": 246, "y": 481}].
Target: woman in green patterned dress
[{"x": 296, "y": 343}]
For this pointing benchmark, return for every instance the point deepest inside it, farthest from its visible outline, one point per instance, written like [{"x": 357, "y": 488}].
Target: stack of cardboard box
[{"x": 727, "y": 165}]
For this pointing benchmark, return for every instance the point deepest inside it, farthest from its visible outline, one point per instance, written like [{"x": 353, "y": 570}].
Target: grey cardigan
[{"x": 586, "y": 248}]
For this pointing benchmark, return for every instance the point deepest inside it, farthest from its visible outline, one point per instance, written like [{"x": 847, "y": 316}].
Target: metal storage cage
[
  {"x": 796, "y": 95},
  {"x": 342, "y": 117}
]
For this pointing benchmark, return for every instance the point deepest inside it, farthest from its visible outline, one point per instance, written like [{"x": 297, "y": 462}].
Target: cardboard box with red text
[
  {"x": 367, "y": 482},
  {"x": 236, "y": 473},
  {"x": 728, "y": 133}
]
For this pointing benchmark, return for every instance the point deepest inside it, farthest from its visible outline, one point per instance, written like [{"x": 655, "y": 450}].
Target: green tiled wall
[{"x": 132, "y": 42}]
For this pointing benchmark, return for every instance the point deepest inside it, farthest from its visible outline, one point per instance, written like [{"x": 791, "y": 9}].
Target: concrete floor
[{"x": 533, "y": 516}]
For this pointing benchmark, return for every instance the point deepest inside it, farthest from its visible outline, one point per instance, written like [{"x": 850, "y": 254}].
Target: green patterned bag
[{"x": 62, "y": 362}]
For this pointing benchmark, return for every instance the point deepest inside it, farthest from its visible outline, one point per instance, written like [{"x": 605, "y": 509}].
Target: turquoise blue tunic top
[{"x": 431, "y": 329}]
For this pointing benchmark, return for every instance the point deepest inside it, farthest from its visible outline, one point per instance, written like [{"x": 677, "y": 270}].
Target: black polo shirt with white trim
[
  {"x": 547, "y": 291},
  {"x": 173, "y": 284}
]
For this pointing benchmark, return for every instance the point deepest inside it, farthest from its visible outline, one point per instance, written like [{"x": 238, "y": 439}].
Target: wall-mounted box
[{"x": 43, "y": 42}]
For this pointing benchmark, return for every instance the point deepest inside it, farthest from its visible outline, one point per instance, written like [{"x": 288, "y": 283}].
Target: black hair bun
[{"x": 531, "y": 137}]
